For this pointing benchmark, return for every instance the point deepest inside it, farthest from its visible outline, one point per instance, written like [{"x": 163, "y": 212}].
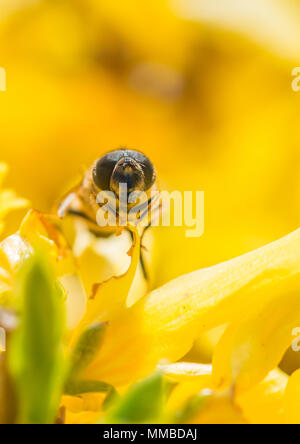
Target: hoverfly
[{"x": 120, "y": 167}]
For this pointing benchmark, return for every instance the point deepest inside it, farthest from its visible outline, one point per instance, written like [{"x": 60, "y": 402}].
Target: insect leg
[{"x": 142, "y": 261}]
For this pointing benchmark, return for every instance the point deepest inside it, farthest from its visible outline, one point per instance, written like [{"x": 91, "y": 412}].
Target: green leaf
[
  {"x": 85, "y": 349},
  {"x": 35, "y": 355},
  {"x": 142, "y": 403},
  {"x": 80, "y": 386}
]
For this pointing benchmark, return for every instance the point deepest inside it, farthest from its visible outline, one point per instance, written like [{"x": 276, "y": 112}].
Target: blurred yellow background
[{"x": 203, "y": 87}]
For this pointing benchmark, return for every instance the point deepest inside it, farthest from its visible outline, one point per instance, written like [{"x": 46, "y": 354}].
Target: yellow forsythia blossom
[{"x": 255, "y": 296}]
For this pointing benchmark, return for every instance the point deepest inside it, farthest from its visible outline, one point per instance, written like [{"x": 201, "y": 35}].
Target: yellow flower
[
  {"x": 255, "y": 295},
  {"x": 261, "y": 405},
  {"x": 165, "y": 323},
  {"x": 36, "y": 232},
  {"x": 203, "y": 130}
]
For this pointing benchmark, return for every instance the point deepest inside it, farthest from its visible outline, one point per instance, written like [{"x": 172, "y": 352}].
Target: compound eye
[
  {"x": 147, "y": 167},
  {"x": 149, "y": 173},
  {"x": 103, "y": 170},
  {"x": 104, "y": 167}
]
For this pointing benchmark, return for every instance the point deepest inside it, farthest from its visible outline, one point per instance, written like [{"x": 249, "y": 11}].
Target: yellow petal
[
  {"x": 264, "y": 403},
  {"x": 83, "y": 409},
  {"x": 187, "y": 371},
  {"x": 217, "y": 408},
  {"x": 9, "y": 201},
  {"x": 165, "y": 323},
  {"x": 109, "y": 298},
  {"x": 220, "y": 410},
  {"x": 261, "y": 405},
  {"x": 90, "y": 402},
  {"x": 81, "y": 418},
  {"x": 292, "y": 399},
  {"x": 251, "y": 347},
  {"x": 39, "y": 231},
  {"x": 192, "y": 378},
  {"x": 185, "y": 391}
]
